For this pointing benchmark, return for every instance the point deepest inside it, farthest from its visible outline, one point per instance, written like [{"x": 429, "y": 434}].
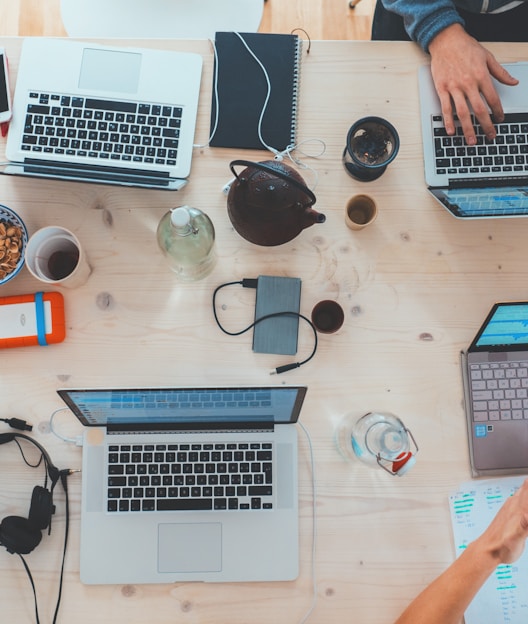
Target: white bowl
[{"x": 10, "y": 217}]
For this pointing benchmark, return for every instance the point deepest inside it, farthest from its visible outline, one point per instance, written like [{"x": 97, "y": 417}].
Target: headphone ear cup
[
  {"x": 41, "y": 508},
  {"x": 18, "y": 536}
]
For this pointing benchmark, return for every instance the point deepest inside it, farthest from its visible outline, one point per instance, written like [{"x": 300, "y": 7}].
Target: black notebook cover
[{"x": 242, "y": 90}]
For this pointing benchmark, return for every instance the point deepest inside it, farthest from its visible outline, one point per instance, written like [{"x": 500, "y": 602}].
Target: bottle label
[{"x": 357, "y": 449}]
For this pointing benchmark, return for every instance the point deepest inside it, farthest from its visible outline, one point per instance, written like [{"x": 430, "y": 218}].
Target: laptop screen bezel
[
  {"x": 64, "y": 393},
  {"x": 475, "y": 348}
]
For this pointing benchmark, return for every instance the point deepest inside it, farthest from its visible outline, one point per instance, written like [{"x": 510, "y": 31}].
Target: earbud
[{"x": 227, "y": 187}]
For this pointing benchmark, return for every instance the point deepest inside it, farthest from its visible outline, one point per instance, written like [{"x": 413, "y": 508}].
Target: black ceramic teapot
[{"x": 268, "y": 202}]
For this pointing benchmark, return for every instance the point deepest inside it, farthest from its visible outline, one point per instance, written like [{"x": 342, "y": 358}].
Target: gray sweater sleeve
[{"x": 424, "y": 19}]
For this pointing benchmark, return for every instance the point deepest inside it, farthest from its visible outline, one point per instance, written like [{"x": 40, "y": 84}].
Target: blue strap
[{"x": 41, "y": 319}]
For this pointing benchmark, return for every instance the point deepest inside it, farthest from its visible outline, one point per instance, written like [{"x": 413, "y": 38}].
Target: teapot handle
[{"x": 276, "y": 172}]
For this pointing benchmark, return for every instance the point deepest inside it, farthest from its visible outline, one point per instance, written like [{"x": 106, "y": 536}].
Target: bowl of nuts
[{"x": 13, "y": 240}]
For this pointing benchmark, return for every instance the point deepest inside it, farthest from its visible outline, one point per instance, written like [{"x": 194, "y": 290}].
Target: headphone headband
[{"x": 51, "y": 469}]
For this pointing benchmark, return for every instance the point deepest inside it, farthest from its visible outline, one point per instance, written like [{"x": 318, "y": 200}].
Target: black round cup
[
  {"x": 372, "y": 143},
  {"x": 327, "y": 316}
]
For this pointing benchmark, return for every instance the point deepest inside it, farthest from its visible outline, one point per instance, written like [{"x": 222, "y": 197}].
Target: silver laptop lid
[
  {"x": 70, "y": 79},
  {"x": 185, "y": 409}
]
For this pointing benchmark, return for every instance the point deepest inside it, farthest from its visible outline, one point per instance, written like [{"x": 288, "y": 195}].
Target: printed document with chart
[{"x": 504, "y": 596}]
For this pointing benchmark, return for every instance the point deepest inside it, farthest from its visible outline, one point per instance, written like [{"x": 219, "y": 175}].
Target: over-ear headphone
[{"x": 22, "y": 535}]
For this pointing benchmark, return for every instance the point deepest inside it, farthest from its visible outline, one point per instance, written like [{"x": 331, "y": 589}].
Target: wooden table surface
[{"x": 415, "y": 286}]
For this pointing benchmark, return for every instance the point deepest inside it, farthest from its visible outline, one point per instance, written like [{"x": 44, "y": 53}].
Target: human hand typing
[{"x": 462, "y": 71}]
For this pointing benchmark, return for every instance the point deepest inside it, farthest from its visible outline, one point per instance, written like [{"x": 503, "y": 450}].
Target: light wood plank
[{"x": 321, "y": 19}]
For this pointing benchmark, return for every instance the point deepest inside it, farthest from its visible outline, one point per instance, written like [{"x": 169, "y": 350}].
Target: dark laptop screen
[
  {"x": 185, "y": 407},
  {"x": 505, "y": 327}
]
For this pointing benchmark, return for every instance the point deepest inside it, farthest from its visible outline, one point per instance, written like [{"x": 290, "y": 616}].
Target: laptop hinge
[
  {"x": 94, "y": 173},
  {"x": 487, "y": 182},
  {"x": 206, "y": 427}
]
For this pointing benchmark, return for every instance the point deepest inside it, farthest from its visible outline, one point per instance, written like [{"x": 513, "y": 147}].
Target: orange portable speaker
[{"x": 28, "y": 320}]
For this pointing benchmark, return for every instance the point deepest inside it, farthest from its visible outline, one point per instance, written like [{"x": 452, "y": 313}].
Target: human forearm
[
  {"x": 446, "y": 598},
  {"x": 424, "y": 20}
]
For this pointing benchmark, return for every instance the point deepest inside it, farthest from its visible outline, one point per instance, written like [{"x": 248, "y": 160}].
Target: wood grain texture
[
  {"x": 322, "y": 19},
  {"x": 415, "y": 286}
]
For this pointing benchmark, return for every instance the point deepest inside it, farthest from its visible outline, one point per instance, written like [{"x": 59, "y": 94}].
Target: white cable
[
  {"x": 77, "y": 441},
  {"x": 268, "y": 94},
  {"x": 278, "y": 155},
  {"x": 314, "y": 527},
  {"x": 215, "y": 91}
]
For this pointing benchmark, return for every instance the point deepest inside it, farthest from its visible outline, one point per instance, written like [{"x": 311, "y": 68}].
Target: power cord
[
  {"x": 252, "y": 283},
  {"x": 78, "y": 441},
  {"x": 17, "y": 423}
]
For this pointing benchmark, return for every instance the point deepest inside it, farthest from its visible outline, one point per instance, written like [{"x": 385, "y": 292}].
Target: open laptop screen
[
  {"x": 185, "y": 407},
  {"x": 506, "y": 327},
  {"x": 508, "y": 201}
]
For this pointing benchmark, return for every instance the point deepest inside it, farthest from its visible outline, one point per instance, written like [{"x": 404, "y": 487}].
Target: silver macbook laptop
[
  {"x": 486, "y": 180},
  {"x": 495, "y": 373},
  {"x": 188, "y": 484},
  {"x": 103, "y": 114}
]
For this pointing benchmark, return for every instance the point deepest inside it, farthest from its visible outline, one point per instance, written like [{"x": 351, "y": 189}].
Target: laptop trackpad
[
  {"x": 190, "y": 547},
  {"x": 110, "y": 70}
]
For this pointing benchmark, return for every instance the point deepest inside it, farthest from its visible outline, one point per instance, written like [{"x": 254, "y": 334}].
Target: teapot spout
[{"x": 311, "y": 216}]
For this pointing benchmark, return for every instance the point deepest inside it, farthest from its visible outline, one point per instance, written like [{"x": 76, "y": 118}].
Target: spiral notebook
[{"x": 242, "y": 89}]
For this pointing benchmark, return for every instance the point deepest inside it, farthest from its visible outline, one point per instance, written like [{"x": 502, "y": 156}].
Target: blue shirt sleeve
[{"x": 424, "y": 20}]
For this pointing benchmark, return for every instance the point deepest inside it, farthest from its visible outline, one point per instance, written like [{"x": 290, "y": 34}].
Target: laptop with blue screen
[
  {"x": 188, "y": 484},
  {"x": 495, "y": 373},
  {"x": 489, "y": 179}
]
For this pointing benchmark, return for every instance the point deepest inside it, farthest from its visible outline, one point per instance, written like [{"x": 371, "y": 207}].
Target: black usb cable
[
  {"x": 252, "y": 283},
  {"x": 17, "y": 423}
]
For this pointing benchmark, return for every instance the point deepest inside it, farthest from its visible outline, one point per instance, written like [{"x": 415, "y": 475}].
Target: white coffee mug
[{"x": 54, "y": 255}]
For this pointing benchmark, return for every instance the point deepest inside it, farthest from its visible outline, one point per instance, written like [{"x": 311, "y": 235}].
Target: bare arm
[
  {"x": 462, "y": 70},
  {"x": 446, "y": 598}
]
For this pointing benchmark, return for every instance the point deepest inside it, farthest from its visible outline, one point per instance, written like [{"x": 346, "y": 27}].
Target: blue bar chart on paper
[{"x": 504, "y": 597}]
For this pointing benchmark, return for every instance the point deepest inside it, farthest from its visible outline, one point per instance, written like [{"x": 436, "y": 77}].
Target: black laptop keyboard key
[
  {"x": 102, "y": 129},
  {"x": 507, "y": 153},
  {"x": 181, "y": 477},
  {"x": 184, "y": 504}
]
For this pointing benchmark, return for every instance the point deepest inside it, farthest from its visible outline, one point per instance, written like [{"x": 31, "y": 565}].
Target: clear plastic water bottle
[
  {"x": 186, "y": 236},
  {"x": 378, "y": 439}
]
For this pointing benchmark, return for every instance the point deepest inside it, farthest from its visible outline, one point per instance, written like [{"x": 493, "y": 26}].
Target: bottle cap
[
  {"x": 180, "y": 217},
  {"x": 403, "y": 463}
]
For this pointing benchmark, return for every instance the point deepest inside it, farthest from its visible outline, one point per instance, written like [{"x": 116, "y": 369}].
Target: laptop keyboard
[
  {"x": 499, "y": 391},
  {"x": 507, "y": 153},
  {"x": 106, "y": 130},
  {"x": 189, "y": 477}
]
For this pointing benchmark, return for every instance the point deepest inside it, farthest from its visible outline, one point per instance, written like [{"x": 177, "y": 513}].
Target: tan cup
[
  {"x": 54, "y": 255},
  {"x": 360, "y": 211}
]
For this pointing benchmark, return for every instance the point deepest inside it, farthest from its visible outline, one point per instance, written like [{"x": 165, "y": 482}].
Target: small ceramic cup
[
  {"x": 327, "y": 316},
  {"x": 360, "y": 211}
]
